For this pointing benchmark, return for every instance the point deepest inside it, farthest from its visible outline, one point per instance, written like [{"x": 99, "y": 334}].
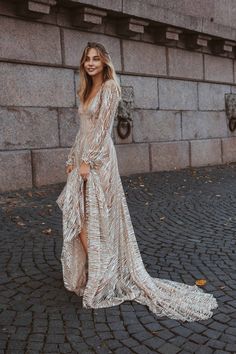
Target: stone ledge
[{"x": 144, "y": 14}]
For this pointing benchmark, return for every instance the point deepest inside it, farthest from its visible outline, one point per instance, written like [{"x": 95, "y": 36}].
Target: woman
[{"x": 100, "y": 257}]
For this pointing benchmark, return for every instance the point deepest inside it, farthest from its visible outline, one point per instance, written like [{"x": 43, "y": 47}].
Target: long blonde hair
[{"x": 86, "y": 82}]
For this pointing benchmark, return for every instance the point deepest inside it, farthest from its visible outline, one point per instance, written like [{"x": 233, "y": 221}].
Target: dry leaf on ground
[{"x": 200, "y": 282}]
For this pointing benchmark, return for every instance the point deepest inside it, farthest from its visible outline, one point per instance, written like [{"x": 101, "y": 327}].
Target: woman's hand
[
  {"x": 69, "y": 168},
  {"x": 84, "y": 170}
]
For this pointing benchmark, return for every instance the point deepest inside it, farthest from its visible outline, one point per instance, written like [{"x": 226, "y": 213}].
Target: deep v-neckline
[{"x": 87, "y": 107}]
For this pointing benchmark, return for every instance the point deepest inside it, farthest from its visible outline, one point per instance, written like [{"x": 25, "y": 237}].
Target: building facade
[{"x": 175, "y": 60}]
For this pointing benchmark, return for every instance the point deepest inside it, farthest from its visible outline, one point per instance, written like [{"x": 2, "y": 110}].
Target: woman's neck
[{"x": 97, "y": 81}]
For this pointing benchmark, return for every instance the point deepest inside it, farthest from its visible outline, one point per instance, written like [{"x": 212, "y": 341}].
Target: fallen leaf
[
  {"x": 200, "y": 282},
  {"x": 20, "y": 223},
  {"x": 47, "y": 231}
]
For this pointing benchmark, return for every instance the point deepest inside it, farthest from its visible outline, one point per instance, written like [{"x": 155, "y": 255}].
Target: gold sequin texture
[{"x": 116, "y": 272}]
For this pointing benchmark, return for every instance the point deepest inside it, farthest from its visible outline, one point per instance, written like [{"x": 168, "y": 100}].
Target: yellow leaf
[
  {"x": 47, "y": 231},
  {"x": 20, "y": 223},
  {"x": 200, "y": 282}
]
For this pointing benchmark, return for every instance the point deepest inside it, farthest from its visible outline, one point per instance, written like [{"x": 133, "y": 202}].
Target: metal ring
[
  {"x": 232, "y": 124},
  {"x": 121, "y": 124}
]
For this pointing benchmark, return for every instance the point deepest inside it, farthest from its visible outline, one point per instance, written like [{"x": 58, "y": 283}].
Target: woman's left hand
[{"x": 69, "y": 168}]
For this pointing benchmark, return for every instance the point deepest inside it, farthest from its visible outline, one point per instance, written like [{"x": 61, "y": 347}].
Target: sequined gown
[{"x": 116, "y": 272}]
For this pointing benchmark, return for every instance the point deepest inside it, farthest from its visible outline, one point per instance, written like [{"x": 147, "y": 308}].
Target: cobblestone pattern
[{"x": 185, "y": 223}]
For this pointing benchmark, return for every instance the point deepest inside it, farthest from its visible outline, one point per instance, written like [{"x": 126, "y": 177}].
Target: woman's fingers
[
  {"x": 84, "y": 176},
  {"x": 84, "y": 171},
  {"x": 69, "y": 168}
]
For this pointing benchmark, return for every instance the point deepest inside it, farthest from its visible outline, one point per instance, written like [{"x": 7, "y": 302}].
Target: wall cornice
[{"x": 138, "y": 17}]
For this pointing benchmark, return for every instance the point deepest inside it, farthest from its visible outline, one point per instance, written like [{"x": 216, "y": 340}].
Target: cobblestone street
[{"x": 185, "y": 224}]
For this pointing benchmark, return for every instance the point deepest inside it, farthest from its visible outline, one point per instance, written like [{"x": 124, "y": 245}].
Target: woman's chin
[{"x": 91, "y": 73}]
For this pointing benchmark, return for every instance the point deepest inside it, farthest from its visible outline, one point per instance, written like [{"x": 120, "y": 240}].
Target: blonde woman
[{"x": 100, "y": 257}]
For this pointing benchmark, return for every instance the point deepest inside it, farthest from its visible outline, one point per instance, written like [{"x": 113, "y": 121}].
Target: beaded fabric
[{"x": 115, "y": 268}]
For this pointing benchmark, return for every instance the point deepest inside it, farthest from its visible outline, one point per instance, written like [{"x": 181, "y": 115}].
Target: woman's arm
[
  {"x": 109, "y": 102},
  {"x": 71, "y": 156}
]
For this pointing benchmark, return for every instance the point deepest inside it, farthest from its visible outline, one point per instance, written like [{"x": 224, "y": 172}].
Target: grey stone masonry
[
  {"x": 177, "y": 94},
  {"x": 211, "y": 96},
  {"x": 36, "y": 42},
  {"x": 23, "y": 127},
  {"x": 48, "y": 166},
  {"x": 156, "y": 125},
  {"x": 37, "y": 86},
  {"x": 218, "y": 69},
  {"x": 175, "y": 63},
  {"x": 185, "y": 64},
  {"x": 133, "y": 158},
  {"x": 169, "y": 155},
  {"x": 207, "y": 152},
  {"x": 203, "y": 125},
  {"x": 145, "y": 59},
  {"x": 15, "y": 170}
]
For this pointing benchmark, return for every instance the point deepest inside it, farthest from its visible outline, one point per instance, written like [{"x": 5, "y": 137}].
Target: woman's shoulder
[{"x": 111, "y": 85}]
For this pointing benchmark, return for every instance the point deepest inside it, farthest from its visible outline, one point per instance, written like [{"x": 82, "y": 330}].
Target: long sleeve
[
  {"x": 92, "y": 152},
  {"x": 71, "y": 156}
]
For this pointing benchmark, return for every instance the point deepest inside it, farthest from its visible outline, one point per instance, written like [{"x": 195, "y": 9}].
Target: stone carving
[
  {"x": 196, "y": 40},
  {"x": 35, "y": 8},
  {"x": 124, "y": 112},
  {"x": 230, "y": 106},
  {"x": 167, "y": 34},
  {"x": 131, "y": 26},
  {"x": 88, "y": 17},
  {"x": 221, "y": 46}
]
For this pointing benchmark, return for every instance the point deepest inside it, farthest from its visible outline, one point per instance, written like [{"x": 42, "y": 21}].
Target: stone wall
[
  {"x": 218, "y": 11},
  {"x": 178, "y": 116}
]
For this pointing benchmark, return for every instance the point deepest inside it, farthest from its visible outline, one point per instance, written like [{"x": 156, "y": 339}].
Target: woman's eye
[{"x": 87, "y": 59}]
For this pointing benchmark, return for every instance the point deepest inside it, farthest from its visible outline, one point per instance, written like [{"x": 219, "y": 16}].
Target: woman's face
[{"x": 93, "y": 64}]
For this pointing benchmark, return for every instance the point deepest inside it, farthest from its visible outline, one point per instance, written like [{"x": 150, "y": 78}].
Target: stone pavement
[{"x": 185, "y": 223}]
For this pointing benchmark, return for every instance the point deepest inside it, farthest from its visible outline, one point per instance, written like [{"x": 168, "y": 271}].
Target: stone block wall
[{"x": 178, "y": 116}]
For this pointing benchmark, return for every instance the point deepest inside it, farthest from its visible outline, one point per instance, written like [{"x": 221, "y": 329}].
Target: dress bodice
[{"x": 96, "y": 122}]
